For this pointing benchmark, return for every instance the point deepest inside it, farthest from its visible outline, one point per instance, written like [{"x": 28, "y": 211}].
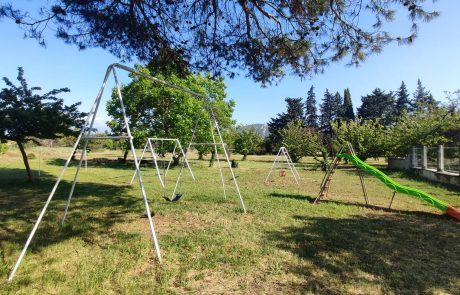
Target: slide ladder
[{"x": 326, "y": 182}]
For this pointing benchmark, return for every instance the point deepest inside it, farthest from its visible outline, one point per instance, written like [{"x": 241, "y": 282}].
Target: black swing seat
[{"x": 175, "y": 199}]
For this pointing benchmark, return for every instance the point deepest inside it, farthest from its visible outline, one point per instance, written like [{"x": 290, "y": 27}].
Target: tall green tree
[
  {"x": 403, "y": 103},
  {"x": 159, "y": 111},
  {"x": 368, "y": 137},
  {"x": 266, "y": 38},
  {"x": 423, "y": 100},
  {"x": 294, "y": 112},
  {"x": 347, "y": 107},
  {"x": 378, "y": 105},
  {"x": 26, "y": 115},
  {"x": 338, "y": 104},
  {"x": 303, "y": 141},
  {"x": 330, "y": 110},
  {"x": 311, "y": 111},
  {"x": 247, "y": 141}
]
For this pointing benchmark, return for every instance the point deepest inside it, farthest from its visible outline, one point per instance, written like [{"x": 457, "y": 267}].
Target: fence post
[
  {"x": 413, "y": 155},
  {"x": 424, "y": 157},
  {"x": 440, "y": 159}
]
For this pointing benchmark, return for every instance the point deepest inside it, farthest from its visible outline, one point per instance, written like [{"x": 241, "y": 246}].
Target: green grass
[{"x": 282, "y": 245}]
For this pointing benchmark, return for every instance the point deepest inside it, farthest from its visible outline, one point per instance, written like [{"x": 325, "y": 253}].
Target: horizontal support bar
[
  {"x": 207, "y": 143},
  {"x": 106, "y": 137},
  {"x": 163, "y": 139}
]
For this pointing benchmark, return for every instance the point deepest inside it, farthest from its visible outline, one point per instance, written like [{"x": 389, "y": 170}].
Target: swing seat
[
  {"x": 175, "y": 199},
  {"x": 282, "y": 173}
]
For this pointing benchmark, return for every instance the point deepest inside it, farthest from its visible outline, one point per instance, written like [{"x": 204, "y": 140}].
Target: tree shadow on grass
[
  {"x": 282, "y": 161},
  {"x": 395, "y": 174},
  {"x": 113, "y": 164},
  {"x": 95, "y": 208},
  {"x": 372, "y": 254},
  {"x": 385, "y": 209},
  {"x": 291, "y": 196}
]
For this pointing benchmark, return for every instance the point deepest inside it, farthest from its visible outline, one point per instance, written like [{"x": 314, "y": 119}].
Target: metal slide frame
[
  {"x": 85, "y": 136},
  {"x": 150, "y": 146},
  {"x": 326, "y": 182},
  {"x": 284, "y": 152}
]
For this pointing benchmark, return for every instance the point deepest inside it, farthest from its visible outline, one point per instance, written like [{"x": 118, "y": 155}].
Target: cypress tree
[
  {"x": 328, "y": 112},
  {"x": 311, "y": 115},
  {"x": 423, "y": 100},
  {"x": 347, "y": 107},
  {"x": 337, "y": 105},
  {"x": 402, "y": 100}
]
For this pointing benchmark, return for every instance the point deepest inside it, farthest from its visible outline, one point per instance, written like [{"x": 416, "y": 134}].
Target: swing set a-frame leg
[
  {"x": 290, "y": 165},
  {"x": 273, "y": 166},
  {"x": 217, "y": 158}
]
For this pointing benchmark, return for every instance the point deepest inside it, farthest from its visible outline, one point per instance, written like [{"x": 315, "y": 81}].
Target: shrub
[{"x": 3, "y": 148}]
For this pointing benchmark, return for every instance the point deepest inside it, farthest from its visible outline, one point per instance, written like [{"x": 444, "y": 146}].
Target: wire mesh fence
[
  {"x": 452, "y": 159},
  {"x": 418, "y": 157},
  {"x": 432, "y": 158}
]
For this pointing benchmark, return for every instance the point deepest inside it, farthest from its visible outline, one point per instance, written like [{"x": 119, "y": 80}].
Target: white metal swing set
[
  {"x": 284, "y": 152},
  {"x": 85, "y": 135},
  {"x": 150, "y": 145}
]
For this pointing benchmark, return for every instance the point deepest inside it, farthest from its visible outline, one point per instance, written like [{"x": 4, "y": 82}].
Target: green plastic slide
[{"x": 396, "y": 186}]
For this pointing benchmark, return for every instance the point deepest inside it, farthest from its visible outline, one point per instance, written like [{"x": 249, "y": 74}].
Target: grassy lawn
[{"x": 282, "y": 245}]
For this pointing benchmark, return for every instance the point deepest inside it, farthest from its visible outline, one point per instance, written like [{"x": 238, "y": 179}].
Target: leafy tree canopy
[
  {"x": 434, "y": 127},
  {"x": 368, "y": 137},
  {"x": 27, "y": 115},
  {"x": 303, "y": 141},
  {"x": 294, "y": 112},
  {"x": 267, "y": 38},
  {"x": 247, "y": 141},
  {"x": 158, "y": 111}
]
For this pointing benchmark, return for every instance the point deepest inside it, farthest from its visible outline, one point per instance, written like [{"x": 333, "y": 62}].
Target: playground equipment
[
  {"x": 85, "y": 135},
  {"x": 214, "y": 129},
  {"x": 284, "y": 152},
  {"x": 396, "y": 187},
  {"x": 151, "y": 146}
]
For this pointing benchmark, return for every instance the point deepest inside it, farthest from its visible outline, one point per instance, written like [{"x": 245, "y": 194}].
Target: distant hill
[{"x": 261, "y": 129}]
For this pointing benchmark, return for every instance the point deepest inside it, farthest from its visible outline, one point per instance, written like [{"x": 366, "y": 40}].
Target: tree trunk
[
  {"x": 200, "y": 155},
  {"x": 244, "y": 157},
  {"x": 125, "y": 155},
  {"x": 211, "y": 161},
  {"x": 26, "y": 161},
  {"x": 176, "y": 160},
  {"x": 325, "y": 164}
]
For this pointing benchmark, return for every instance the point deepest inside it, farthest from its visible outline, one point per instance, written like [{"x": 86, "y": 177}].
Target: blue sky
[{"x": 434, "y": 58}]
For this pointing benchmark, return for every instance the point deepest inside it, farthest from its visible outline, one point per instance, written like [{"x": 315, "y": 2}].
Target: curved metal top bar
[{"x": 136, "y": 72}]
